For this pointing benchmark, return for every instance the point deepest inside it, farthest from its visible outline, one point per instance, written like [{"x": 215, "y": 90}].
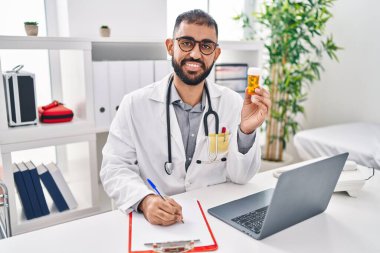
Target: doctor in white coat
[{"x": 137, "y": 147}]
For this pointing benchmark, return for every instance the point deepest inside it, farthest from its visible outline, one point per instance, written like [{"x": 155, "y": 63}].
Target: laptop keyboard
[{"x": 252, "y": 220}]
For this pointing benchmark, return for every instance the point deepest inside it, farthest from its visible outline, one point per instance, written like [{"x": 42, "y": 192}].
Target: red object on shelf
[{"x": 55, "y": 112}]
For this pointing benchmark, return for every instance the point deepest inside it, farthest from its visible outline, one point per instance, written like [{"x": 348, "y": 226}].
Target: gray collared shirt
[{"x": 189, "y": 119}]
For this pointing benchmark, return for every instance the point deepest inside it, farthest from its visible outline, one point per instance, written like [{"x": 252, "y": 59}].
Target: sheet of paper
[{"x": 194, "y": 227}]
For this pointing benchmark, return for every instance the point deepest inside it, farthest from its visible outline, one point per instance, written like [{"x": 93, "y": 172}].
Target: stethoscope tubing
[{"x": 168, "y": 164}]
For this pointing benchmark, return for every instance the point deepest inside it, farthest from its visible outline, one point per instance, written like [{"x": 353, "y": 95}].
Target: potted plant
[
  {"x": 31, "y": 28},
  {"x": 105, "y": 31},
  {"x": 295, "y": 40}
]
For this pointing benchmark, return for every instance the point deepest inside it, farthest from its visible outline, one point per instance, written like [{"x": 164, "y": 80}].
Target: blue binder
[
  {"x": 30, "y": 188},
  {"x": 38, "y": 188},
  {"x": 52, "y": 188},
  {"x": 21, "y": 188}
]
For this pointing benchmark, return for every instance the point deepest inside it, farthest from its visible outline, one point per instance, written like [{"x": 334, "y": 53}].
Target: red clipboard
[{"x": 211, "y": 247}]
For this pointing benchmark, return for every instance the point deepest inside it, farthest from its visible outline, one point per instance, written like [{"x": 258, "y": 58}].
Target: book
[
  {"x": 52, "y": 188},
  {"x": 38, "y": 188},
  {"x": 62, "y": 185},
  {"x": 23, "y": 193},
  {"x": 30, "y": 189}
]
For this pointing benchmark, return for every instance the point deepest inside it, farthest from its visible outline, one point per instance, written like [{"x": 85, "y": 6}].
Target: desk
[{"x": 348, "y": 225}]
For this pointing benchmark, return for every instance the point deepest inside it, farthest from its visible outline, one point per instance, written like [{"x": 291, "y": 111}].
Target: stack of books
[
  {"x": 28, "y": 179},
  {"x": 232, "y": 75}
]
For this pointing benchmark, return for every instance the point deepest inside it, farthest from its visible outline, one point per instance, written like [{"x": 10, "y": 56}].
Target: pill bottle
[{"x": 253, "y": 79}]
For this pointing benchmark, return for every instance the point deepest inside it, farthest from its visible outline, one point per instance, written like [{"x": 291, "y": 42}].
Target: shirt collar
[{"x": 175, "y": 99}]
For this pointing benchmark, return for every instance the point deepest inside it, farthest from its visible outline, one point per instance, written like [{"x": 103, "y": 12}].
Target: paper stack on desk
[{"x": 195, "y": 227}]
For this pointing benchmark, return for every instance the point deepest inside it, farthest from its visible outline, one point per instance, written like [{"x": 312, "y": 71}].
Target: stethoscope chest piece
[{"x": 168, "y": 168}]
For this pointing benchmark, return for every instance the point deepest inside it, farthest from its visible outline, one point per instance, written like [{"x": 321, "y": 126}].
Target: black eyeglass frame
[{"x": 195, "y": 43}]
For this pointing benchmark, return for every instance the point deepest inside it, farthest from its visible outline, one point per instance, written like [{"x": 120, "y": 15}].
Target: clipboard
[{"x": 195, "y": 229}]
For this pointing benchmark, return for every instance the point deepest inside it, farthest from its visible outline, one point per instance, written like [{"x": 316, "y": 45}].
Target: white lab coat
[{"x": 136, "y": 148}]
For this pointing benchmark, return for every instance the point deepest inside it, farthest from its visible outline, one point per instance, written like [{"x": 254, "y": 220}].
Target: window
[
  {"x": 14, "y": 13},
  {"x": 221, "y": 10},
  {"x": 176, "y": 7}
]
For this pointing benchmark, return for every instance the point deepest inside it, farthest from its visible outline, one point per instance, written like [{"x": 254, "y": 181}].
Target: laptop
[{"x": 300, "y": 194}]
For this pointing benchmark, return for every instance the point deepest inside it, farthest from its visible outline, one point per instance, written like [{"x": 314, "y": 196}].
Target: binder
[
  {"x": 131, "y": 79},
  {"x": 146, "y": 73},
  {"x": 52, "y": 188},
  {"x": 62, "y": 185},
  {"x": 38, "y": 188},
  {"x": 195, "y": 228},
  {"x": 161, "y": 69},
  {"x": 101, "y": 95},
  {"x": 30, "y": 189},
  {"x": 22, "y": 192},
  {"x": 116, "y": 85}
]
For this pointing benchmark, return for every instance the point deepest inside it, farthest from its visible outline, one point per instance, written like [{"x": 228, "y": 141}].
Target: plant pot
[
  {"x": 105, "y": 32},
  {"x": 31, "y": 30}
]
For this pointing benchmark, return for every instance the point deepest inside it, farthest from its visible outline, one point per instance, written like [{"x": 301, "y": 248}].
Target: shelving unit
[{"x": 73, "y": 144}]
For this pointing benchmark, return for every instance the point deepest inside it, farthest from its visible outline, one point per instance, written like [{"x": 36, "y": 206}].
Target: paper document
[{"x": 195, "y": 227}]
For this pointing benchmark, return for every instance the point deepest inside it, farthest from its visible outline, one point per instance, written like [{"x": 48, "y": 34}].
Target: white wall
[
  {"x": 349, "y": 90},
  {"x": 128, "y": 20}
]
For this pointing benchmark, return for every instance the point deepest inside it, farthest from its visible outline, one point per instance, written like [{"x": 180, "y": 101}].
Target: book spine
[
  {"x": 38, "y": 188},
  {"x": 30, "y": 188},
  {"x": 62, "y": 185},
  {"x": 52, "y": 188},
  {"x": 21, "y": 188}
]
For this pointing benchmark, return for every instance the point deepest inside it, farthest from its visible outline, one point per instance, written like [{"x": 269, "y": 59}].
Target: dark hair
[{"x": 196, "y": 16}]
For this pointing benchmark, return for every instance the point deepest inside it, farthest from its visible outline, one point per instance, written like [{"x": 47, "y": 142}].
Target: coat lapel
[{"x": 159, "y": 94}]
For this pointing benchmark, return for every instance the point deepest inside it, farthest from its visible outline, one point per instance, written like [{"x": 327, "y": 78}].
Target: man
[{"x": 138, "y": 146}]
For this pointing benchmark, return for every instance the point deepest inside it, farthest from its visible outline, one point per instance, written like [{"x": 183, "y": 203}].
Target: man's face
[{"x": 192, "y": 67}]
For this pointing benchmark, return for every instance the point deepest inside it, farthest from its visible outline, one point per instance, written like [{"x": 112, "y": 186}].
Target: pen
[
  {"x": 156, "y": 190},
  {"x": 224, "y": 133}
]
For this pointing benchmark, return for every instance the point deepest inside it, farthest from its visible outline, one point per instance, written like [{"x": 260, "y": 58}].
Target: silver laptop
[{"x": 300, "y": 194}]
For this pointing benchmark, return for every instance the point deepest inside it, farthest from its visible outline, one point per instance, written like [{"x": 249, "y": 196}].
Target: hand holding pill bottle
[{"x": 253, "y": 79}]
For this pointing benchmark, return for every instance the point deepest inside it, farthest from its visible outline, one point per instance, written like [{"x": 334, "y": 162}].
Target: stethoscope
[{"x": 168, "y": 165}]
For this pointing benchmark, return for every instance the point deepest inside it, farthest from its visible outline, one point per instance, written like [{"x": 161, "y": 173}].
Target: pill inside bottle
[{"x": 253, "y": 79}]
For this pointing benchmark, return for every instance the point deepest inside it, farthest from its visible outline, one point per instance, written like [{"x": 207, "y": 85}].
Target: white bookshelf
[{"x": 73, "y": 143}]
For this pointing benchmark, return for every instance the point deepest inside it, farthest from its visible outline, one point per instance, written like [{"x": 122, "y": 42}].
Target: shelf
[
  {"x": 70, "y": 80},
  {"x": 30, "y": 42},
  {"x": 55, "y": 217},
  {"x": 71, "y": 145},
  {"x": 117, "y": 50},
  {"x": 43, "y": 131},
  {"x": 75, "y": 156},
  {"x": 128, "y": 50}
]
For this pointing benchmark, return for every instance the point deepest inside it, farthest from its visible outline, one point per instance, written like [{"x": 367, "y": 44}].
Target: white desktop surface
[{"x": 348, "y": 225}]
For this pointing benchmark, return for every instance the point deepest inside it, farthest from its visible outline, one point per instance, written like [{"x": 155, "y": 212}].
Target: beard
[{"x": 190, "y": 79}]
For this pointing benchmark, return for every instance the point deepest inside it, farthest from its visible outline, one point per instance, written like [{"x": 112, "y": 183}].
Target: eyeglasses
[{"x": 187, "y": 44}]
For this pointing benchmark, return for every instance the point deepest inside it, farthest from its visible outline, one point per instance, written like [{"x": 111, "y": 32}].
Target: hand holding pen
[{"x": 160, "y": 210}]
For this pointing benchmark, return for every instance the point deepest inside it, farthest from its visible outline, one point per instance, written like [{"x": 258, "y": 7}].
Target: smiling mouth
[{"x": 193, "y": 66}]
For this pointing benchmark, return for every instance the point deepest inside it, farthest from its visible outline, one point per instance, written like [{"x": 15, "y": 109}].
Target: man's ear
[
  {"x": 217, "y": 53},
  {"x": 169, "y": 46}
]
